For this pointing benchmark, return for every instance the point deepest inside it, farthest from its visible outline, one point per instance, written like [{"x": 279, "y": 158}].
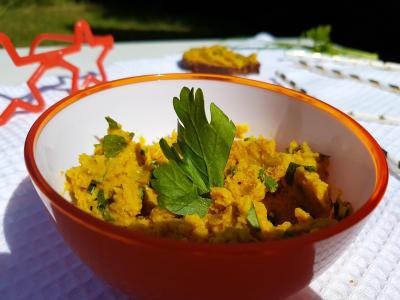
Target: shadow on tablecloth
[{"x": 40, "y": 264}]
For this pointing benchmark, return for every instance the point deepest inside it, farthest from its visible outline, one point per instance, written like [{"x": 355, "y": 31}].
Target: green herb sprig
[
  {"x": 321, "y": 39},
  {"x": 196, "y": 162}
]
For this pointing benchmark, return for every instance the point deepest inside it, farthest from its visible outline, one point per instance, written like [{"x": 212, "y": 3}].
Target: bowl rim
[{"x": 133, "y": 237}]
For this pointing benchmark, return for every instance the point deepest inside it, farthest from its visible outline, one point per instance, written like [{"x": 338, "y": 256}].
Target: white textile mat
[{"x": 35, "y": 262}]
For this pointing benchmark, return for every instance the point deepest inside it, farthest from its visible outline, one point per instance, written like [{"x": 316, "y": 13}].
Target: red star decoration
[{"x": 53, "y": 59}]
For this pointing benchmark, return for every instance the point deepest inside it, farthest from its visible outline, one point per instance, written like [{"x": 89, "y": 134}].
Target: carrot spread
[{"x": 215, "y": 185}]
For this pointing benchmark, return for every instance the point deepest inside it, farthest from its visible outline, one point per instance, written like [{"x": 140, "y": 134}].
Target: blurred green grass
[{"x": 23, "y": 20}]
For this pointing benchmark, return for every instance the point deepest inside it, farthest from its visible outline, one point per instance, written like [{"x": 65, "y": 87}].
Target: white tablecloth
[{"x": 35, "y": 262}]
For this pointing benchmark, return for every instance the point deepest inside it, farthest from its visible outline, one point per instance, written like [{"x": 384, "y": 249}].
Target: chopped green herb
[
  {"x": 261, "y": 175},
  {"x": 102, "y": 205},
  {"x": 112, "y": 124},
  {"x": 198, "y": 160},
  {"x": 101, "y": 200},
  {"x": 233, "y": 170},
  {"x": 247, "y": 139},
  {"x": 252, "y": 217},
  {"x": 341, "y": 210},
  {"x": 92, "y": 186},
  {"x": 107, "y": 217},
  {"x": 310, "y": 168},
  {"x": 269, "y": 182},
  {"x": 131, "y": 135},
  {"x": 290, "y": 171},
  {"x": 141, "y": 194},
  {"x": 113, "y": 145}
]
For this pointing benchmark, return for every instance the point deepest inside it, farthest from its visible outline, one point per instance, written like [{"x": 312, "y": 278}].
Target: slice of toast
[{"x": 220, "y": 60}]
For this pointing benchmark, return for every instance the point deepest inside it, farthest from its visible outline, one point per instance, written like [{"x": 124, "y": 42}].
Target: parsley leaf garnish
[
  {"x": 197, "y": 161},
  {"x": 113, "y": 145},
  {"x": 177, "y": 193}
]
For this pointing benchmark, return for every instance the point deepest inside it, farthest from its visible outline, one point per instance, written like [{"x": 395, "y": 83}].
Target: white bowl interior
[{"x": 146, "y": 109}]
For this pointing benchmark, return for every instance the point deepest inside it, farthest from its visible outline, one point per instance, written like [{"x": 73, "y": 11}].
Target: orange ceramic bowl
[{"x": 147, "y": 267}]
